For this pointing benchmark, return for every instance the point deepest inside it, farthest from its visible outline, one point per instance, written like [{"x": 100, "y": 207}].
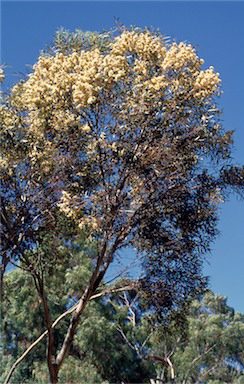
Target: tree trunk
[
  {"x": 53, "y": 373},
  {"x": 52, "y": 366},
  {"x": 2, "y": 269}
]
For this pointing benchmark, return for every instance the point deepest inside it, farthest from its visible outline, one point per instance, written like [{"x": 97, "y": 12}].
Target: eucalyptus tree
[
  {"x": 210, "y": 350},
  {"x": 118, "y": 134},
  {"x": 99, "y": 352}
]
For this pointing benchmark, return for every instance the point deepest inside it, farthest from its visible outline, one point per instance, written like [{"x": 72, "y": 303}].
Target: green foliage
[
  {"x": 22, "y": 314},
  {"x": 99, "y": 353},
  {"x": 73, "y": 371},
  {"x": 116, "y": 340},
  {"x": 211, "y": 349},
  {"x": 66, "y": 42},
  {"x": 21, "y": 322}
]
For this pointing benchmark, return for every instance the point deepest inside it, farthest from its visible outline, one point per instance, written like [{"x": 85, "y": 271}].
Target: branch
[
  {"x": 44, "y": 334},
  {"x": 123, "y": 234},
  {"x": 146, "y": 339},
  {"x": 125, "y": 338},
  {"x": 90, "y": 289},
  {"x": 132, "y": 318},
  {"x": 5, "y": 261},
  {"x": 48, "y": 322},
  {"x": 156, "y": 357},
  {"x": 205, "y": 353},
  {"x": 196, "y": 359},
  {"x": 203, "y": 374},
  {"x": 172, "y": 372},
  {"x": 164, "y": 360},
  {"x": 18, "y": 266},
  {"x": 123, "y": 270}
]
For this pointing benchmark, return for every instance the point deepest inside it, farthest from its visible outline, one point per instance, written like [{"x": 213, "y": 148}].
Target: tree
[
  {"x": 209, "y": 351},
  {"x": 117, "y": 341},
  {"x": 99, "y": 352},
  {"x": 121, "y": 135}
]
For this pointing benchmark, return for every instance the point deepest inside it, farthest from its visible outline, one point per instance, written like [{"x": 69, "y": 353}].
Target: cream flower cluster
[
  {"x": 179, "y": 56},
  {"x": 9, "y": 122},
  {"x": 55, "y": 78},
  {"x": 144, "y": 48},
  {"x": 73, "y": 80},
  {"x": 68, "y": 207},
  {"x": 141, "y": 68},
  {"x": 89, "y": 222},
  {"x": 114, "y": 68},
  {"x": 44, "y": 157},
  {"x": 7, "y": 117},
  {"x": 88, "y": 80},
  {"x": 206, "y": 83},
  {"x": 177, "y": 71},
  {"x": 156, "y": 83},
  {"x": 144, "y": 45},
  {"x": 86, "y": 128},
  {"x": 72, "y": 209},
  {"x": 2, "y": 75},
  {"x": 62, "y": 86},
  {"x": 216, "y": 197}
]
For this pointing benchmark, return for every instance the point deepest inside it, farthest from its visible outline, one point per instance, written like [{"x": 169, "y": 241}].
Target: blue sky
[{"x": 216, "y": 29}]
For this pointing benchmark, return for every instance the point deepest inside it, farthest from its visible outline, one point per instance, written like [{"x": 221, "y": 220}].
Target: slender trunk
[
  {"x": 2, "y": 270},
  {"x": 54, "y": 374},
  {"x": 52, "y": 367}
]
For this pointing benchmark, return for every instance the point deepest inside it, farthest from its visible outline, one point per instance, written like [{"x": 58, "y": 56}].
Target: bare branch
[
  {"x": 146, "y": 339},
  {"x": 172, "y": 372},
  {"x": 120, "y": 330}
]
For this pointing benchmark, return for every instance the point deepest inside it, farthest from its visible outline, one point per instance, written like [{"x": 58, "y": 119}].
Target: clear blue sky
[{"x": 215, "y": 28}]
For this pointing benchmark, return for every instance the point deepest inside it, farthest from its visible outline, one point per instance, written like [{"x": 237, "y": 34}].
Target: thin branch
[
  {"x": 172, "y": 372},
  {"x": 156, "y": 358},
  {"x": 20, "y": 267},
  {"x": 205, "y": 353},
  {"x": 132, "y": 318},
  {"x": 122, "y": 271},
  {"x": 174, "y": 348},
  {"x": 205, "y": 373},
  {"x": 196, "y": 359},
  {"x": 146, "y": 339},
  {"x": 3, "y": 266},
  {"x": 107, "y": 263},
  {"x": 120, "y": 330}
]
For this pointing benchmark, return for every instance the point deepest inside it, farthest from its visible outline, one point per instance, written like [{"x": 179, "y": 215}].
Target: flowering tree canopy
[{"x": 122, "y": 136}]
